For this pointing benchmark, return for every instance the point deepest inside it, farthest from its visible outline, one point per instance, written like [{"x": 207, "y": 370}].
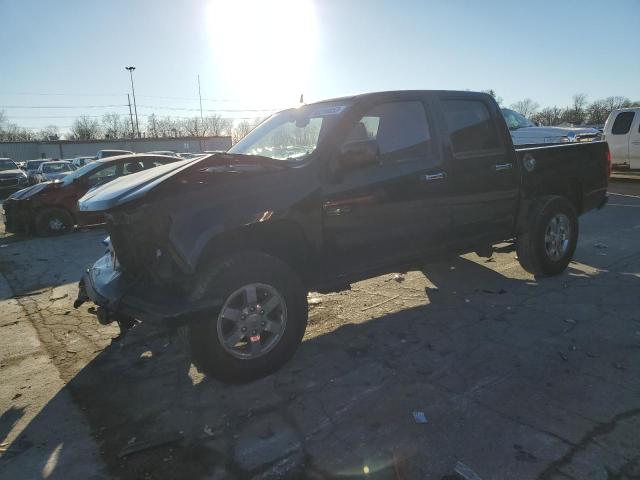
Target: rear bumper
[{"x": 110, "y": 289}]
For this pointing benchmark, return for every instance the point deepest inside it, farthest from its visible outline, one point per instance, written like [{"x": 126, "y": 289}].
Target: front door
[{"x": 391, "y": 210}]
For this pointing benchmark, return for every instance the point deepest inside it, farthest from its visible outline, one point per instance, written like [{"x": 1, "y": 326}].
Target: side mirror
[{"x": 355, "y": 155}]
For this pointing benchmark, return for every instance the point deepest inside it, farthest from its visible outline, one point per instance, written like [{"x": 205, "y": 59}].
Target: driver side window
[
  {"x": 400, "y": 130},
  {"x": 102, "y": 176}
]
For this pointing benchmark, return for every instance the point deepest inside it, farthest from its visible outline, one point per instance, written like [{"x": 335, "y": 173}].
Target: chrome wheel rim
[
  {"x": 557, "y": 236},
  {"x": 56, "y": 225},
  {"x": 252, "y": 321}
]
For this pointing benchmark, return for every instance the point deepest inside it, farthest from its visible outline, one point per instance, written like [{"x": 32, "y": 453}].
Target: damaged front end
[{"x": 140, "y": 275}]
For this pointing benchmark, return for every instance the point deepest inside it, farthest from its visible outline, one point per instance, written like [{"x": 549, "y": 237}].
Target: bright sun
[{"x": 264, "y": 49}]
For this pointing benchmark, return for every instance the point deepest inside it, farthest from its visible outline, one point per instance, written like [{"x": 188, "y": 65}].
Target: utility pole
[
  {"x": 133, "y": 130},
  {"x": 200, "y": 96},
  {"x": 135, "y": 107}
]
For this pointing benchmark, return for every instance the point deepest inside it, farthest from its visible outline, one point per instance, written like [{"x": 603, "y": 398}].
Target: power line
[{"x": 65, "y": 106}]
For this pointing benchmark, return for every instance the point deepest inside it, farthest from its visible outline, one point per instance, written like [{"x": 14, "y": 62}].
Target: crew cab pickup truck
[
  {"x": 317, "y": 197},
  {"x": 622, "y": 133}
]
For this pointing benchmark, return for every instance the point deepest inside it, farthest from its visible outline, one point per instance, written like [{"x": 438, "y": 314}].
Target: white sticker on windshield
[{"x": 326, "y": 111}]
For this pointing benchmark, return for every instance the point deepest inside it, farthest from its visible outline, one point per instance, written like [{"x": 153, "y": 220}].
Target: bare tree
[
  {"x": 85, "y": 128},
  {"x": 50, "y": 132},
  {"x": 152, "y": 126},
  {"x": 495, "y": 96},
  {"x": 549, "y": 116},
  {"x": 240, "y": 131},
  {"x": 576, "y": 114},
  {"x": 192, "y": 126},
  {"x": 216, "y": 125},
  {"x": 113, "y": 126},
  {"x": 526, "y": 107}
]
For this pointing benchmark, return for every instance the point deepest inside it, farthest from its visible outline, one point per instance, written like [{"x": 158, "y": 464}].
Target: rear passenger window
[
  {"x": 471, "y": 127},
  {"x": 622, "y": 123},
  {"x": 400, "y": 128}
]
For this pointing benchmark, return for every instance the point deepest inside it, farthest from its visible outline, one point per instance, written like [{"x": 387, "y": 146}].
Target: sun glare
[{"x": 263, "y": 49}]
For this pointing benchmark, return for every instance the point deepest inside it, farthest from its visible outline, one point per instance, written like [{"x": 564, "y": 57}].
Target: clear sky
[{"x": 261, "y": 54}]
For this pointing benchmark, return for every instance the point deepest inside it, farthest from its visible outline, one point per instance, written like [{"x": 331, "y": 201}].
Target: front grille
[{"x": 9, "y": 182}]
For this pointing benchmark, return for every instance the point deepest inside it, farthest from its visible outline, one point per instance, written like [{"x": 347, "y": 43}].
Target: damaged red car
[{"x": 51, "y": 208}]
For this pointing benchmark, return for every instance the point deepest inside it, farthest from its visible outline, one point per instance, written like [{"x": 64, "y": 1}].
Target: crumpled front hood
[
  {"x": 131, "y": 187},
  {"x": 30, "y": 191}
]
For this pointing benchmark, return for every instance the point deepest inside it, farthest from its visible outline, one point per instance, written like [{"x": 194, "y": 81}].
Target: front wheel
[
  {"x": 53, "y": 221},
  {"x": 261, "y": 321},
  {"x": 547, "y": 244}
]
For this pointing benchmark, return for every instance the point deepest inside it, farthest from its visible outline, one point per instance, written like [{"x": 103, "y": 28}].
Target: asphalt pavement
[{"x": 469, "y": 367}]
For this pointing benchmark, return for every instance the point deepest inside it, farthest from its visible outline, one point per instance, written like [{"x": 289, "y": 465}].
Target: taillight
[{"x": 609, "y": 165}]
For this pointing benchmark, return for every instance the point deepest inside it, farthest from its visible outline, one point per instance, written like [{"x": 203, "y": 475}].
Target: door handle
[
  {"x": 499, "y": 167},
  {"x": 433, "y": 177},
  {"x": 635, "y": 143}
]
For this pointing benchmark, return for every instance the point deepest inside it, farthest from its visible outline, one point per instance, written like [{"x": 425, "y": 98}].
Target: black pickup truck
[{"x": 317, "y": 197}]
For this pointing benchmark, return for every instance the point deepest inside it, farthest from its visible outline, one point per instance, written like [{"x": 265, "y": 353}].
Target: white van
[{"x": 622, "y": 133}]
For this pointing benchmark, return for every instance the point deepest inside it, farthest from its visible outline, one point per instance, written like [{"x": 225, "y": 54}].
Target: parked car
[
  {"x": 622, "y": 133},
  {"x": 53, "y": 171},
  {"x": 11, "y": 177},
  {"x": 31, "y": 167},
  {"x": 51, "y": 208},
  {"x": 321, "y": 196},
  {"x": 525, "y": 132},
  {"x": 188, "y": 155},
  {"x": 82, "y": 161},
  {"x": 112, "y": 153}
]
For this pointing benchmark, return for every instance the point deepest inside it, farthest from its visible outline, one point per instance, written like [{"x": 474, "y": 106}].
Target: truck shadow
[{"x": 346, "y": 398}]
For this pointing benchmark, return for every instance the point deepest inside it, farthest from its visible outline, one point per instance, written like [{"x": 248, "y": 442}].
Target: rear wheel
[
  {"x": 547, "y": 245},
  {"x": 53, "y": 221},
  {"x": 260, "y": 323}
]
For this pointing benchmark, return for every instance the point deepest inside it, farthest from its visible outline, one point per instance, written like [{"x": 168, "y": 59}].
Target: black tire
[
  {"x": 53, "y": 221},
  {"x": 531, "y": 245},
  {"x": 221, "y": 280}
]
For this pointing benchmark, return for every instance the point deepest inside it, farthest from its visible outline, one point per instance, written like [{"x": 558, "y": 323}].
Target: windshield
[
  {"x": 56, "y": 168},
  {"x": 34, "y": 164},
  {"x": 516, "y": 120},
  {"x": 7, "y": 165},
  {"x": 291, "y": 134}
]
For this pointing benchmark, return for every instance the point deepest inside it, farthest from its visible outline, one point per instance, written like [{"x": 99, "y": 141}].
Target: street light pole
[{"x": 135, "y": 107}]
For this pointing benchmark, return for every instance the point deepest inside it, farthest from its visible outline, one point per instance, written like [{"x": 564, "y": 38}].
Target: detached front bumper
[{"x": 108, "y": 288}]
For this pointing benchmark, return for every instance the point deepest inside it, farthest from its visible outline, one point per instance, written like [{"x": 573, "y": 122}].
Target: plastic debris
[
  {"x": 419, "y": 417},
  {"x": 134, "y": 446},
  {"x": 600, "y": 245},
  {"x": 570, "y": 320},
  {"x": 379, "y": 304},
  {"x": 398, "y": 277},
  {"x": 314, "y": 300},
  {"x": 465, "y": 471},
  {"x": 208, "y": 430},
  {"x": 502, "y": 291},
  {"x": 563, "y": 356},
  {"x": 466, "y": 300},
  {"x": 4, "y": 245}
]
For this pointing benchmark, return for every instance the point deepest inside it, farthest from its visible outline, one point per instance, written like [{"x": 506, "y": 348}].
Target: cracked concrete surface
[{"x": 518, "y": 377}]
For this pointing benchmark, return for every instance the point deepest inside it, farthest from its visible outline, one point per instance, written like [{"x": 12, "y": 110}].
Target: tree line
[
  {"x": 579, "y": 112},
  {"x": 116, "y": 126}
]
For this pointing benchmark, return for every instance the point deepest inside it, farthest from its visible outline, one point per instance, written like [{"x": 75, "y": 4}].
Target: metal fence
[{"x": 20, "y": 151}]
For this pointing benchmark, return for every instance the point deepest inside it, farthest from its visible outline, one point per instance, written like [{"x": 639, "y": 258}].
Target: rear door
[
  {"x": 382, "y": 213},
  {"x": 634, "y": 142},
  {"x": 484, "y": 170}
]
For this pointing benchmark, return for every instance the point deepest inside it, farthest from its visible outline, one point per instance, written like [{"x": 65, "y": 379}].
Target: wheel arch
[{"x": 282, "y": 239}]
